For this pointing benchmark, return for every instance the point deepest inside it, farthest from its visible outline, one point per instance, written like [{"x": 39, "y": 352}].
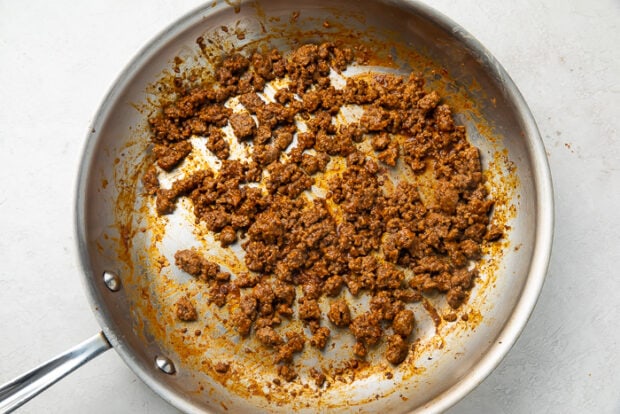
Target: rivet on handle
[
  {"x": 112, "y": 281},
  {"x": 165, "y": 365}
]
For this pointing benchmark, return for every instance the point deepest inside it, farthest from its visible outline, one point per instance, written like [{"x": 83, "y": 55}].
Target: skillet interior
[{"x": 111, "y": 210}]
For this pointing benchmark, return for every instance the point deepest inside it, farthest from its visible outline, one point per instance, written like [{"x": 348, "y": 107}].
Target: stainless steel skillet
[{"x": 118, "y": 266}]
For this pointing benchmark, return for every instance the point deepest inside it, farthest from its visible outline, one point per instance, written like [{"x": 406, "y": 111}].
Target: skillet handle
[{"x": 17, "y": 392}]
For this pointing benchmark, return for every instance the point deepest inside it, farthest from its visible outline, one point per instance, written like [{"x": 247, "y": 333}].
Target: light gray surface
[{"x": 57, "y": 60}]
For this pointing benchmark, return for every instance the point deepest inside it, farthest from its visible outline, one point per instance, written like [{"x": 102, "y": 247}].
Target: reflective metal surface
[
  {"x": 17, "y": 392},
  {"x": 165, "y": 365},
  {"x": 112, "y": 281}
]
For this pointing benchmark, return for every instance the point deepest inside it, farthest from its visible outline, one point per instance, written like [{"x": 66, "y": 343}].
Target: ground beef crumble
[
  {"x": 185, "y": 310},
  {"x": 384, "y": 241}
]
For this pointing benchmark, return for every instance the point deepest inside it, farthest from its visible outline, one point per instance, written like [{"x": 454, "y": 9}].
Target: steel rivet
[
  {"x": 112, "y": 281},
  {"x": 165, "y": 365}
]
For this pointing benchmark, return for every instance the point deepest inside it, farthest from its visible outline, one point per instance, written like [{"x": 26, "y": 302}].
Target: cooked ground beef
[
  {"x": 333, "y": 285},
  {"x": 384, "y": 241},
  {"x": 268, "y": 336},
  {"x": 243, "y": 125},
  {"x": 366, "y": 328},
  {"x": 403, "y": 323},
  {"x": 228, "y": 236},
  {"x": 339, "y": 313},
  {"x": 185, "y": 310},
  {"x": 294, "y": 344},
  {"x": 286, "y": 372},
  {"x": 192, "y": 262},
  {"x": 150, "y": 180},
  {"x": 390, "y": 155},
  {"x": 381, "y": 141},
  {"x": 169, "y": 156},
  {"x": 217, "y": 144},
  {"x": 320, "y": 337},
  {"x": 397, "y": 349},
  {"x": 319, "y": 377},
  {"x": 221, "y": 367}
]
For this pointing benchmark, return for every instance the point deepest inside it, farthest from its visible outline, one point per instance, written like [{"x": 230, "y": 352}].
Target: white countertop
[{"x": 57, "y": 60}]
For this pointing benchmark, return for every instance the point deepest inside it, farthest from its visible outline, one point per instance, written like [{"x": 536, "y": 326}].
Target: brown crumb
[
  {"x": 450, "y": 317},
  {"x": 319, "y": 377},
  {"x": 221, "y": 367},
  {"x": 287, "y": 372},
  {"x": 185, "y": 310}
]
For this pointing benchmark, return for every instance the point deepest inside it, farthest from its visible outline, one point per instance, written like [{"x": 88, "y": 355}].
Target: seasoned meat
[
  {"x": 312, "y": 164},
  {"x": 455, "y": 297},
  {"x": 284, "y": 292},
  {"x": 429, "y": 101},
  {"x": 359, "y": 349},
  {"x": 403, "y": 323},
  {"x": 222, "y": 276},
  {"x": 169, "y": 156},
  {"x": 494, "y": 233},
  {"x": 309, "y": 309},
  {"x": 447, "y": 196},
  {"x": 165, "y": 203},
  {"x": 242, "y": 322},
  {"x": 389, "y": 277},
  {"x": 295, "y": 343},
  {"x": 333, "y": 285},
  {"x": 287, "y": 179},
  {"x": 286, "y": 372},
  {"x": 243, "y": 125},
  {"x": 246, "y": 279},
  {"x": 236, "y": 63},
  {"x": 228, "y": 236},
  {"x": 375, "y": 118},
  {"x": 366, "y": 328},
  {"x": 397, "y": 349},
  {"x": 268, "y": 336},
  {"x": 221, "y": 367},
  {"x": 470, "y": 249},
  {"x": 381, "y": 141},
  {"x": 320, "y": 337},
  {"x": 251, "y": 101},
  {"x": 319, "y": 377},
  {"x": 263, "y": 292},
  {"x": 150, "y": 181},
  {"x": 249, "y": 305},
  {"x": 192, "y": 262},
  {"x": 186, "y": 310},
  {"x": 389, "y": 156},
  {"x": 339, "y": 313},
  {"x": 443, "y": 116},
  {"x": 282, "y": 139},
  {"x": 217, "y": 144}
]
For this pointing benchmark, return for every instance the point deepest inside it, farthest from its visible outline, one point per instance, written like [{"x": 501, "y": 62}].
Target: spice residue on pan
[{"x": 349, "y": 195}]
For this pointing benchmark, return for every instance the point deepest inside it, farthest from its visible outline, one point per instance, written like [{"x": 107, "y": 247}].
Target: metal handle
[{"x": 17, "y": 392}]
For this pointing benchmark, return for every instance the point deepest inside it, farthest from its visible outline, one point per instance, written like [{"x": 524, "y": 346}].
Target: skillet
[{"x": 116, "y": 233}]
